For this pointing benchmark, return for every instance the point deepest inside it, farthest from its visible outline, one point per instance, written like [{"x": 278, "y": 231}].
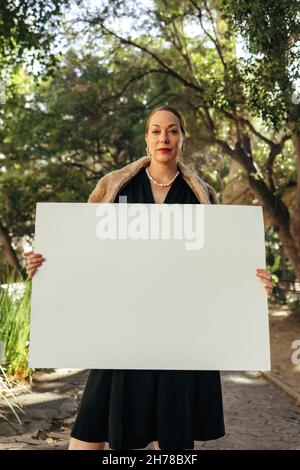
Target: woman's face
[{"x": 164, "y": 133}]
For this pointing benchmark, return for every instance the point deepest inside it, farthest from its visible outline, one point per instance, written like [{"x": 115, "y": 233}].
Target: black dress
[{"x": 131, "y": 408}]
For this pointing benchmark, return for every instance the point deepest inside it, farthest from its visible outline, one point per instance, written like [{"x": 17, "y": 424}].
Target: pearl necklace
[{"x": 161, "y": 184}]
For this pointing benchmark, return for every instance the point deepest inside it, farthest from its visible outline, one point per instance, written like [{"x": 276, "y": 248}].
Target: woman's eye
[{"x": 155, "y": 132}]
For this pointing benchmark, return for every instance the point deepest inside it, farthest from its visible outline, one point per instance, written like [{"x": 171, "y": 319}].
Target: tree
[
  {"x": 271, "y": 31},
  {"x": 28, "y": 28},
  {"x": 27, "y": 32},
  {"x": 219, "y": 86}
]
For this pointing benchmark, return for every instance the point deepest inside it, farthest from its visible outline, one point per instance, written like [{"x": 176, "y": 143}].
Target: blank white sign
[{"x": 112, "y": 296}]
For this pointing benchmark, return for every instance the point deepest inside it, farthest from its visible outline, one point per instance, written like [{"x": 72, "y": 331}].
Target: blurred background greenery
[{"x": 78, "y": 80}]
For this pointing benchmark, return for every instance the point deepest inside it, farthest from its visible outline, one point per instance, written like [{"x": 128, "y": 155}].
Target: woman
[{"x": 131, "y": 408}]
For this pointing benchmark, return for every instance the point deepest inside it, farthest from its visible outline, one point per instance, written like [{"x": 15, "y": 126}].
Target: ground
[
  {"x": 258, "y": 415},
  {"x": 284, "y": 330}
]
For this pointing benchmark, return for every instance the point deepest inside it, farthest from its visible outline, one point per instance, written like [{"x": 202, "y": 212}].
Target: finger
[
  {"x": 27, "y": 253},
  {"x": 264, "y": 273},
  {"x": 35, "y": 255},
  {"x": 31, "y": 272},
  {"x": 31, "y": 268},
  {"x": 267, "y": 283},
  {"x": 35, "y": 260},
  {"x": 35, "y": 265},
  {"x": 268, "y": 287},
  {"x": 263, "y": 276}
]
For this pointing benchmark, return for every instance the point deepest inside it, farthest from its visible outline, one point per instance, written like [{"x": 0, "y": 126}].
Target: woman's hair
[{"x": 172, "y": 110}]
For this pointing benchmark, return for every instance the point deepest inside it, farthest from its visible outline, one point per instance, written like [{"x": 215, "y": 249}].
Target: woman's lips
[{"x": 164, "y": 150}]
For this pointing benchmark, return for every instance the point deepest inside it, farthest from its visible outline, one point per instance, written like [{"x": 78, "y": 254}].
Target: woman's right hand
[{"x": 33, "y": 262}]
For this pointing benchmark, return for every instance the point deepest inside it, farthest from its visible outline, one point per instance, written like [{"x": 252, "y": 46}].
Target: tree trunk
[
  {"x": 295, "y": 219},
  {"x": 279, "y": 213},
  {"x": 10, "y": 256},
  {"x": 291, "y": 248}
]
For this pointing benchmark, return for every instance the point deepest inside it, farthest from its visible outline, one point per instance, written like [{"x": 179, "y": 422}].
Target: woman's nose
[{"x": 164, "y": 138}]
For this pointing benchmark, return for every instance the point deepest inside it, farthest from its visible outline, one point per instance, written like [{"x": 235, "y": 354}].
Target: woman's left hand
[{"x": 266, "y": 278}]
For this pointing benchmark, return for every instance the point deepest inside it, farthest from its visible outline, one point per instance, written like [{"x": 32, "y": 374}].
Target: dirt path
[{"x": 257, "y": 415}]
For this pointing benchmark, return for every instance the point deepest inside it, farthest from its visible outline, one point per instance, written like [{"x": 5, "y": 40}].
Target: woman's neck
[{"x": 162, "y": 172}]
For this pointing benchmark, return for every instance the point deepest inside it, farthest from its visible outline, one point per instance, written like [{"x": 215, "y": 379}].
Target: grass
[
  {"x": 14, "y": 335},
  {"x": 7, "y": 397},
  {"x": 15, "y": 326}
]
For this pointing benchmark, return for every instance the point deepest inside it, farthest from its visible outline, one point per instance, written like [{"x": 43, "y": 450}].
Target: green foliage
[
  {"x": 15, "y": 325},
  {"x": 274, "y": 256},
  {"x": 27, "y": 26},
  {"x": 279, "y": 265},
  {"x": 59, "y": 137},
  {"x": 7, "y": 395},
  {"x": 270, "y": 30}
]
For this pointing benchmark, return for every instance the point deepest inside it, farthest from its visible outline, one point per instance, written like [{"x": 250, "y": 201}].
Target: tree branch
[
  {"x": 154, "y": 56},
  {"x": 276, "y": 149},
  {"x": 214, "y": 40}
]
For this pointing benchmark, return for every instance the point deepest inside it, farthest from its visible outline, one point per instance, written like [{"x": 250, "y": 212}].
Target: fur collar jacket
[{"x": 109, "y": 185}]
